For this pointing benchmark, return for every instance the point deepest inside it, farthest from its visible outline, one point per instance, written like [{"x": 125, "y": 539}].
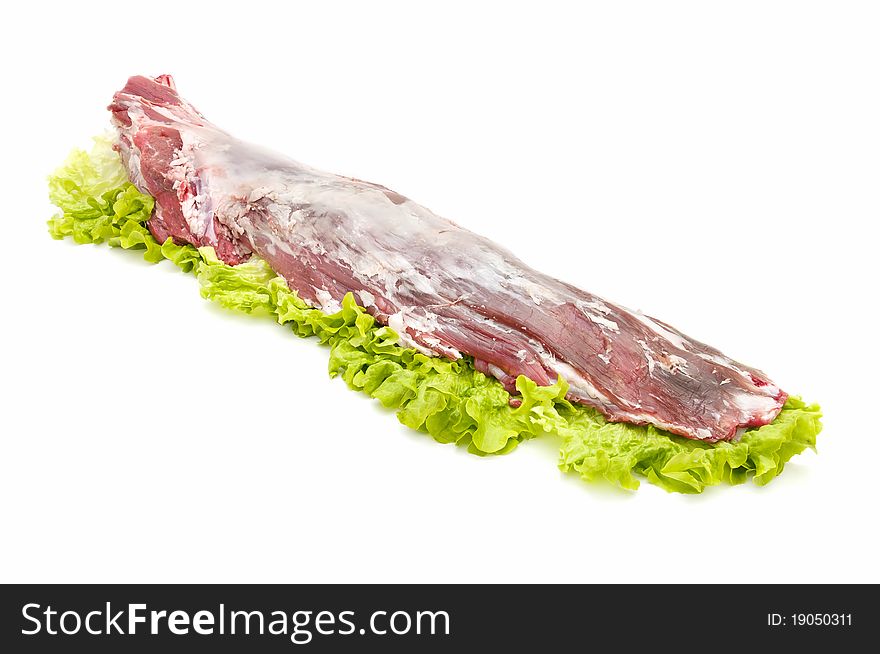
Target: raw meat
[{"x": 446, "y": 291}]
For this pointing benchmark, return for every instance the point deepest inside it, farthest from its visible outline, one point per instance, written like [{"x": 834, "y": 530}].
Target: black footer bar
[{"x": 315, "y": 618}]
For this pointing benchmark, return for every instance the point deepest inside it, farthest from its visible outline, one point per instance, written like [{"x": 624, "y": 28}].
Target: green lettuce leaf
[
  {"x": 614, "y": 451},
  {"x": 449, "y": 400}
]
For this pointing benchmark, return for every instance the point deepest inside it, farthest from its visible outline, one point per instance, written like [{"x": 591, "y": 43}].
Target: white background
[{"x": 713, "y": 164}]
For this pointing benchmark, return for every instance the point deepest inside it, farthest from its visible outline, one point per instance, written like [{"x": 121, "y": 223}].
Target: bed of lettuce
[{"x": 449, "y": 400}]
